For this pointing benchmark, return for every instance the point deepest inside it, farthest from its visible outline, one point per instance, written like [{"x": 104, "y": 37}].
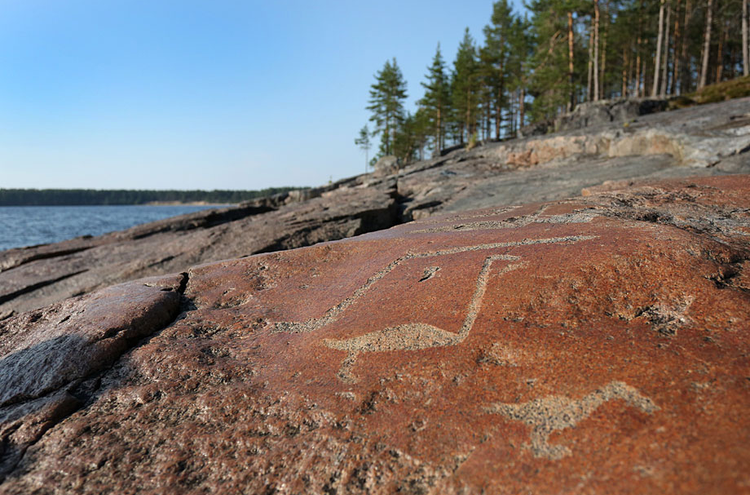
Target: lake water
[{"x": 30, "y": 225}]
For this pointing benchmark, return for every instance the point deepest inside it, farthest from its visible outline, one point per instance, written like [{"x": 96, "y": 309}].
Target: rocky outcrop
[
  {"x": 387, "y": 165},
  {"x": 707, "y": 140},
  {"x": 597, "y": 113},
  {"x": 590, "y": 345}
]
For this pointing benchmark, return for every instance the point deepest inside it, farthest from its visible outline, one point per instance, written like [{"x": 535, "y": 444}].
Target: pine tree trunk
[
  {"x": 512, "y": 113},
  {"x": 630, "y": 73},
  {"x": 720, "y": 57},
  {"x": 745, "y": 56},
  {"x": 521, "y": 107},
  {"x": 638, "y": 74},
  {"x": 659, "y": 42},
  {"x": 488, "y": 122},
  {"x": 498, "y": 109},
  {"x": 439, "y": 132},
  {"x": 686, "y": 77},
  {"x": 675, "y": 58},
  {"x": 589, "y": 92},
  {"x": 624, "y": 91},
  {"x": 637, "y": 88},
  {"x": 706, "y": 45},
  {"x": 468, "y": 117},
  {"x": 602, "y": 78},
  {"x": 665, "y": 73},
  {"x": 596, "y": 50},
  {"x": 571, "y": 73},
  {"x": 387, "y": 135}
]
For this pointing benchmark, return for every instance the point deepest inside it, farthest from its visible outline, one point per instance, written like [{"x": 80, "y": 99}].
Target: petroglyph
[
  {"x": 575, "y": 217},
  {"x": 335, "y": 312},
  {"x": 557, "y": 413},
  {"x": 463, "y": 217},
  {"x": 413, "y": 336},
  {"x": 418, "y": 336}
]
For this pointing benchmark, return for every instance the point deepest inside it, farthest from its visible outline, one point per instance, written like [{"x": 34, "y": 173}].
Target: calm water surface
[{"x": 30, "y": 225}]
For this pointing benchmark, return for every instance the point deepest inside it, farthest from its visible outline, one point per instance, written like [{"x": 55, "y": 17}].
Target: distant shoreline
[
  {"x": 154, "y": 203},
  {"x": 178, "y": 203},
  {"x": 128, "y": 197}
]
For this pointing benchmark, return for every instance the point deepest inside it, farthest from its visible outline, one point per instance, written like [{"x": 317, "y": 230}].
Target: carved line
[
  {"x": 413, "y": 336},
  {"x": 333, "y": 313},
  {"x": 417, "y": 336},
  {"x": 459, "y": 217},
  {"x": 576, "y": 217}
]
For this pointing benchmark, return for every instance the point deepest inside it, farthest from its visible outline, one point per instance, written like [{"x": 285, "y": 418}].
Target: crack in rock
[{"x": 52, "y": 352}]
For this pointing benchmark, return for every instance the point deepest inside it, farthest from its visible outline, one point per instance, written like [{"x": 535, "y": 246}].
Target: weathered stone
[
  {"x": 45, "y": 355},
  {"x": 597, "y": 113},
  {"x": 591, "y": 345},
  {"x": 386, "y": 165}
]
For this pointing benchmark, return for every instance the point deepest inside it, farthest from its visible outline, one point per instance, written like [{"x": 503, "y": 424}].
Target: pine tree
[
  {"x": 411, "y": 138},
  {"x": 706, "y": 45},
  {"x": 657, "y": 64},
  {"x": 363, "y": 141},
  {"x": 465, "y": 87},
  {"x": 550, "y": 60},
  {"x": 521, "y": 52},
  {"x": 387, "y": 97},
  {"x": 496, "y": 54},
  {"x": 436, "y": 100},
  {"x": 745, "y": 57}
]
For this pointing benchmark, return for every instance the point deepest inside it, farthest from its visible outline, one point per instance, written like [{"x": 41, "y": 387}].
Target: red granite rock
[{"x": 592, "y": 345}]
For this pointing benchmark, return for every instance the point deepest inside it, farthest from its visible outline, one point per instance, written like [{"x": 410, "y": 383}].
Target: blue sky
[{"x": 210, "y": 94}]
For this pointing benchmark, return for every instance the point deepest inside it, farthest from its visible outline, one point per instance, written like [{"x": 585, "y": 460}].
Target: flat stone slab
[{"x": 592, "y": 345}]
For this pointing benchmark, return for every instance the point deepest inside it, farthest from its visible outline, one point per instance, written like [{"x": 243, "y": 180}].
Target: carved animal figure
[
  {"x": 413, "y": 336},
  {"x": 557, "y": 413}
]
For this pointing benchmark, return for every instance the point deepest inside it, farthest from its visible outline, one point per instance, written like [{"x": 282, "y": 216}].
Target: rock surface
[
  {"x": 592, "y": 345},
  {"x": 707, "y": 140}
]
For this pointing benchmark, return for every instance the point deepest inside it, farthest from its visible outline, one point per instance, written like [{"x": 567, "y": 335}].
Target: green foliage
[
  {"x": 436, "y": 101},
  {"x": 412, "y": 137},
  {"x": 494, "y": 62},
  {"x": 363, "y": 141},
  {"x": 472, "y": 141},
  {"x": 727, "y": 90},
  {"x": 549, "y": 85},
  {"x": 535, "y": 67},
  {"x": 386, "y": 103},
  {"x": 465, "y": 87},
  {"x": 83, "y": 197}
]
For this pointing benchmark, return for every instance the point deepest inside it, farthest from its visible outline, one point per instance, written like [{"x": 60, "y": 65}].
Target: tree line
[
  {"x": 558, "y": 54},
  {"x": 85, "y": 197}
]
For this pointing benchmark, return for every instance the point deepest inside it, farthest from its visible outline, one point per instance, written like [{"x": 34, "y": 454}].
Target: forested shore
[
  {"x": 86, "y": 197},
  {"x": 535, "y": 65}
]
